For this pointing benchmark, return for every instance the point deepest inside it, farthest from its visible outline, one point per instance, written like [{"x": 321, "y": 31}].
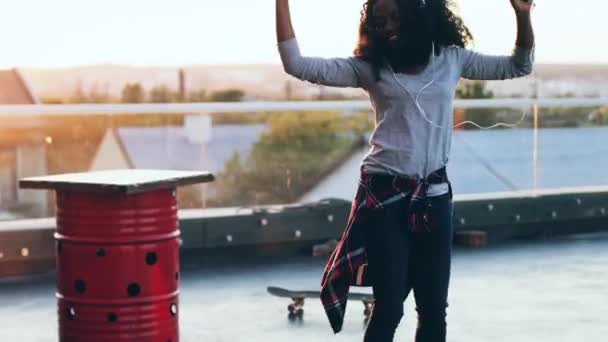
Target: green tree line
[
  {"x": 291, "y": 157},
  {"x": 135, "y": 93}
]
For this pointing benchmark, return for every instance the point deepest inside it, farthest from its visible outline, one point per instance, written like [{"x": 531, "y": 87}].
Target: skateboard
[{"x": 296, "y": 309}]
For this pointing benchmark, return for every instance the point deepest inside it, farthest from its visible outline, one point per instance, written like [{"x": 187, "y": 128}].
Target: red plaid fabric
[{"x": 347, "y": 265}]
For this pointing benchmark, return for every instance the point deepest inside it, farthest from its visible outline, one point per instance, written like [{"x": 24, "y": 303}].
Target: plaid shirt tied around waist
[{"x": 347, "y": 265}]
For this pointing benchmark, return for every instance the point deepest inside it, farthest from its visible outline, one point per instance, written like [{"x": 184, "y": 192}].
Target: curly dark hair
[{"x": 426, "y": 23}]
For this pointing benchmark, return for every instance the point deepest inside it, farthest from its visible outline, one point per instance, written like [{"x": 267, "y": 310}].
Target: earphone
[{"x": 423, "y": 113}]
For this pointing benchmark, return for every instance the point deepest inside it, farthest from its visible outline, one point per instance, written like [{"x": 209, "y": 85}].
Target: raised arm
[
  {"x": 520, "y": 63},
  {"x": 337, "y": 72},
  {"x": 284, "y": 26}
]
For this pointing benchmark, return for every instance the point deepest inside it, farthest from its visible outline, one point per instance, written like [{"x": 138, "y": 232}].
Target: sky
[{"x": 59, "y": 33}]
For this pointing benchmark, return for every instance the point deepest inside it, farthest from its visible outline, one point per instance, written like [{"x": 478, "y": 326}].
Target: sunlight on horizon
[{"x": 189, "y": 32}]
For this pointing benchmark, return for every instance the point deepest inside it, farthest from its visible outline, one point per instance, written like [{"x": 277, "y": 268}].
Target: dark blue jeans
[{"x": 401, "y": 260}]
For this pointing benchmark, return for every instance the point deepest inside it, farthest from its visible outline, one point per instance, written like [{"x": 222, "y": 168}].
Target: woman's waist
[
  {"x": 378, "y": 187},
  {"x": 392, "y": 174},
  {"x": 406, "y": 170}
]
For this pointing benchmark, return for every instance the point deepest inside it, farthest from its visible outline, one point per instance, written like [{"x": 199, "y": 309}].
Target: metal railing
[{"x": 265, "y": 106}]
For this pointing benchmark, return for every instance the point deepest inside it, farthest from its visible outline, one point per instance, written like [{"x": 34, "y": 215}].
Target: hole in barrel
[
  {"x": 151, "y": 258},
  {"x": 100, "y": 252},
  {"x": 80, "y": 286},
  {"x": 112, "y": 317},
  {"x": 133, "y": 289},
  {"x": 70, "y": 313}
]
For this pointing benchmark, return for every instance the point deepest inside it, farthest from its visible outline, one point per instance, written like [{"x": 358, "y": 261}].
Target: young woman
[{"x": 410, "y": 57}]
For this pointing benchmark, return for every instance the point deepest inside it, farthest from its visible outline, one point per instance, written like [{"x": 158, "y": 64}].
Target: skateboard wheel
[
  {"x": 295, "y": 316},
  {"x": 299, "y": 313},
  {"x": 367, "y": 312},
  {"x": 291, "y": 308}
]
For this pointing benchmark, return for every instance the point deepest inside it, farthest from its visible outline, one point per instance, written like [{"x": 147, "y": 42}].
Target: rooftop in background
[
  {"x": 15, "y": 89},
  {"x": 171, "y": 147}
]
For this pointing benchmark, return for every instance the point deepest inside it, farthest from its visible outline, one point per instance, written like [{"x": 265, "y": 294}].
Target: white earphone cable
[{"x": 423, "y": 113}]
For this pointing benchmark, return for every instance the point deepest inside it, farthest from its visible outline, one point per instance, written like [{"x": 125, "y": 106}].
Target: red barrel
[{"x": 117, "y": 266}]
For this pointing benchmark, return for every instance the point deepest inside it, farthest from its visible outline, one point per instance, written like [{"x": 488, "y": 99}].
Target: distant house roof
[
  {"x": 14, "y": 89},
  {"x": 170, "y": 147}
]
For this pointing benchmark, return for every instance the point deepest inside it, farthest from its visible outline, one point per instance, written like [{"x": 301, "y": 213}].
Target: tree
[
  {"x": 288, "y": 91},
  {"x": 133, "y": 93},
  {"x": 78, "y": 95},
  {"x": 97, "y": 96},
  {"x": 286, "y": 161},
  {"x": 51, "y": 100},
  {"x": 197, "y": 96},
  {"x": 228, "y": 95},
  {"x": 484, "y": 117},
  {"x": 161, "y": 94},
  {"x": 474, "y": 90}
]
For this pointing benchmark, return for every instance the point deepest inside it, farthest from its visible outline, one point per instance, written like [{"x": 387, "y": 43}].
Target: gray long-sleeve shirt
[{"x": 403, "y": 141}]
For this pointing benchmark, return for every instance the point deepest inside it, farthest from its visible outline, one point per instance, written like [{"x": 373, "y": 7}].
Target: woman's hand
[
  {"x": 522, "y": 6},
  {"x": 283, "y": 19},
  {"x": 525, "y": 33}
]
